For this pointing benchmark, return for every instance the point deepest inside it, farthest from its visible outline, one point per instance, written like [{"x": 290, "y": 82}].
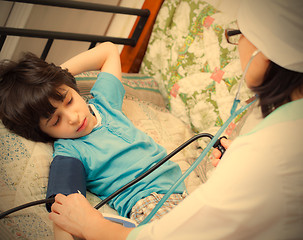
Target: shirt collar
[{"x": 95, "y": 112}]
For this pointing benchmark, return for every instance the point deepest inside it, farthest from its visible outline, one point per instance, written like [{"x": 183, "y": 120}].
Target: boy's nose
[{"x": 73, "y": 117}]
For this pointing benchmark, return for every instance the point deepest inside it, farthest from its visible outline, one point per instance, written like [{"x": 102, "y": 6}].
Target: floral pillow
[{"x": 196, "y": 69}]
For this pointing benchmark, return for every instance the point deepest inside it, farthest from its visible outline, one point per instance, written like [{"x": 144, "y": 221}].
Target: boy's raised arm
[{"x": 104, "y": 57}]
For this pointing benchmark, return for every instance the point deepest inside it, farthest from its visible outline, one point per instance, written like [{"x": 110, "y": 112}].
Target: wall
[
  {"x": 13, "y": 15},
  {"x": 122, "y": 24},
  {"x": 5, "y": 8}
]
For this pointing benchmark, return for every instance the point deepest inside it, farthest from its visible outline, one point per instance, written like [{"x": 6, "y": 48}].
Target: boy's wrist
[
  {"x": 93, "y": 226},
  {"x": 100, "y": 228}
]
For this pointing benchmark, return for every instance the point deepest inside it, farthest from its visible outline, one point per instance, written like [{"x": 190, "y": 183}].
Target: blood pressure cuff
[{"x": 66, "y": 176}]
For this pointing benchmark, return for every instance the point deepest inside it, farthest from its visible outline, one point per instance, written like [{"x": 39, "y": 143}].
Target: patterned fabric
[
  {"x": 140, "y": 86},
  {"x": 23, "y": 178},
  {"x": 196, "y": 69},
  {"x": 144, "y": 207}
]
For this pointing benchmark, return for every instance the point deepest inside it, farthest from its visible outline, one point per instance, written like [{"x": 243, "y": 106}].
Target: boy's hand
[{"x": 216, "y": 154}]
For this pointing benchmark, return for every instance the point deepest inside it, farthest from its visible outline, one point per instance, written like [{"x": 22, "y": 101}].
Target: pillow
[
  {"x": 23, "y": 172},
  {"x": 24, "y": 168},
  {"x": 137, "y": 85},
  {"x": 196, "y": 69}
]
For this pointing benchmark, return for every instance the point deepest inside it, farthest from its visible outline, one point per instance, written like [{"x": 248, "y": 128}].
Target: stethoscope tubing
[
  {"x": 199, "y": 159},
  {"x": 233, "y": 114}
]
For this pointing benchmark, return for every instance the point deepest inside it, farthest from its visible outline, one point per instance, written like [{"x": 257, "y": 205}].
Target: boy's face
[{"x": 72, "y": 118}]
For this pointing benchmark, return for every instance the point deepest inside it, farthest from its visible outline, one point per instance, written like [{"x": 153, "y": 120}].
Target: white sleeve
[
  {"x": 255, "y": 192},
  {"x": 239, "y": 199}
]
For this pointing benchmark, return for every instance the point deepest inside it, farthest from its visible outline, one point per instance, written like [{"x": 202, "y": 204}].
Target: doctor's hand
[
  {"x": 216, "y": 154},
  {"x": 74, "y": 214}
]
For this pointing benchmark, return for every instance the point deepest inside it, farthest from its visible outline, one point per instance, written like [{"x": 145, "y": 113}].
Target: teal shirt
[{"x": 117, "y": 152}]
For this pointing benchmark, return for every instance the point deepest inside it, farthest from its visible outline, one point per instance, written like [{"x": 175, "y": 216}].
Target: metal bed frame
[{"x": 93, "y": 39}]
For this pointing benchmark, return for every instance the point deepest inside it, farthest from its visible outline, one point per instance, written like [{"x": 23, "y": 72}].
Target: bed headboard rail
[
  {"x": 132, "y": 40},
  {"x": 131, "y": 57}
]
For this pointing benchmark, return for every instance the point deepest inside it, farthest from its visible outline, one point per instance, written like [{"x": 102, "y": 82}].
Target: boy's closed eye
[
  {"x": 58, "y": 118},
  {"x": 57, "y": 121},
  {"x": 70, "y": 101}
]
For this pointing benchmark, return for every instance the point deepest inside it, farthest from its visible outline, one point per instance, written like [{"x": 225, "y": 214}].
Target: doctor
[{"x": 256, "y": 191}]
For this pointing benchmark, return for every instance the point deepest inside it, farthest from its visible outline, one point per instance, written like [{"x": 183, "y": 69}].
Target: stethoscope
[{"x": 214, "y": 142}]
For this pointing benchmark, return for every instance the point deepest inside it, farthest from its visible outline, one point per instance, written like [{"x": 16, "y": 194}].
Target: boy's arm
[{"x": 104, "y": 57}]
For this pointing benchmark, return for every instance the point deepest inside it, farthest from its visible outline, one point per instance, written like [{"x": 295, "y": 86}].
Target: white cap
[{"x": 275, "y": 27}]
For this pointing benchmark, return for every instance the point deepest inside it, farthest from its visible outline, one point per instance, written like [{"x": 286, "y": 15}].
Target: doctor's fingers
[
  {"x": 215, "y": 157},
  {"x": 226, "y": 142},
  {"x": 216, "y": 154},
  {"x": 58, "y": 208},
  {"x": 60, "y": 198},
  {"x": 215, "y": 161},
  {"x": 69, "y": 199}
]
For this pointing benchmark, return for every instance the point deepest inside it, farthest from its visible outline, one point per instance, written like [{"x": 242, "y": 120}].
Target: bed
[{"x": 179, "y": 81}]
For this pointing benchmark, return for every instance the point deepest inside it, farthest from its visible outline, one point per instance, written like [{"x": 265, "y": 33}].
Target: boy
[{"x": 95, "y": 145}]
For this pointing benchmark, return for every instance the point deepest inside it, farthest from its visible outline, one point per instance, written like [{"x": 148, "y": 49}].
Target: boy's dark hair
[
  {"x": 277, "y": 87},
  {"x": 25, "y": 89}
]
